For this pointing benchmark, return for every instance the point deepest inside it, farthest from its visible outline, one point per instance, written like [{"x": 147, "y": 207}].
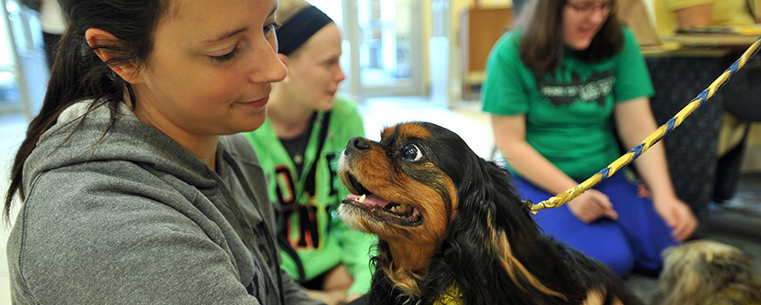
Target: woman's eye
[
  {"x": 272, "y": 27},
  {"x": 331, "y": 63},
  {"x": 225, "y": 57},
  {"x": 411, "y": 153}
]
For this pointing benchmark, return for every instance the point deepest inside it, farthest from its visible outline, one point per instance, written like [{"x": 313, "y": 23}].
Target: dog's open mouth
[{"x": 382, "y": 209}]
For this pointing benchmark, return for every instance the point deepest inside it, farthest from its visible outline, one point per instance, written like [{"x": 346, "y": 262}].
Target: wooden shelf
[{"x": 480, "y": 28}]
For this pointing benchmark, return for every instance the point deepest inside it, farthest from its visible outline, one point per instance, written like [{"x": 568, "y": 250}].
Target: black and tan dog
[{"x": 453, "y": 231}]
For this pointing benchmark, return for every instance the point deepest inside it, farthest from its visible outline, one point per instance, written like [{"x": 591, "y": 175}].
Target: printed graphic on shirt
[
  {"x": 300, "y": 212},
  {"x": 563, "y": 91}
]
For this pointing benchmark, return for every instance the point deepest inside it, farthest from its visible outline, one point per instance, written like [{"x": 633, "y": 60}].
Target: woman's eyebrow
[
  {"x": 235, "y": 32},
  {"x": 225, "y": 36}
]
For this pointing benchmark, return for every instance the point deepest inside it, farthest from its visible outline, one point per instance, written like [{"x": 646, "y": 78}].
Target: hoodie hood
[{"x": 81, "y": 135}]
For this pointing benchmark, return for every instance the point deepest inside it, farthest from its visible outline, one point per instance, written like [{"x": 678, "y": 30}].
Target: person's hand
[
  {"x": 592, "y": 205},
  {"x": 677, "y": 215}
]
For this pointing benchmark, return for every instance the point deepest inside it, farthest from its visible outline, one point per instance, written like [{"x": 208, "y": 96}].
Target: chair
[{"x": 691, "y": 149}]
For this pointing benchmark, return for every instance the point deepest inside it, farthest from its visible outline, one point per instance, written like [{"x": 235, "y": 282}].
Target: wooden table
[{"x": 713, "y": 40}]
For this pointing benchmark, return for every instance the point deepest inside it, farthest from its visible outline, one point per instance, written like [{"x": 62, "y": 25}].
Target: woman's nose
[
  {"x": 269, "y": 67},
  {"x": 599, "y": 16},
  {"x": 341, "y": 76}
]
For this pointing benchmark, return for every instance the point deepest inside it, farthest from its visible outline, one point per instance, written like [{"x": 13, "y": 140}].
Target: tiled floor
[{"x": 737, "y": 223}]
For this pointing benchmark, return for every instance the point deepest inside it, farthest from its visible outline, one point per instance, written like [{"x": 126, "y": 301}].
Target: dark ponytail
[{"x": 79, "y": 74}]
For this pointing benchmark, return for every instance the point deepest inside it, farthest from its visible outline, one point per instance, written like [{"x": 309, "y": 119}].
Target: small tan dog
[{"x": 705, "y": 272}]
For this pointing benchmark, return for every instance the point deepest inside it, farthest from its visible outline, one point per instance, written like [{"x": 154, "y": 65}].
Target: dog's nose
[{"x": 357, "y": 143}]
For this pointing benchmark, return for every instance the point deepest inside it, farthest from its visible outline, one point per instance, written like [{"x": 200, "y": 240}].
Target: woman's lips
[
  {"x": 588, "y": 32},
  {"x": 257, "y": 103}
]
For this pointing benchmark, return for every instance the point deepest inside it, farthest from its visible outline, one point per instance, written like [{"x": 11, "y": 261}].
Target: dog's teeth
[
  {"x": 400, "y": 208},
  {"x": 362, "y": 199}
]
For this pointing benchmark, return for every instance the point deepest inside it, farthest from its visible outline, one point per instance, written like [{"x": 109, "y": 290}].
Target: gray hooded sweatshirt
[{"x": 125, "y": 215}]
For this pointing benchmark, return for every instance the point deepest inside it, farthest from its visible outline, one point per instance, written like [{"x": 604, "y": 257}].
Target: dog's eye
[{"x": 411, "y": 153}]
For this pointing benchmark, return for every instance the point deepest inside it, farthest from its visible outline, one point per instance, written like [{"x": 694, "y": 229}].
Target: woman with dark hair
[
  {"x": 559, "y": 87},
  {"x": 131, "y": 191}
]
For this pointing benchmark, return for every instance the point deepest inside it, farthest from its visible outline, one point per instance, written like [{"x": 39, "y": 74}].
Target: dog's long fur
[
  {"x": 704, "y": 272},
  {"x": 463, "y": 231}
]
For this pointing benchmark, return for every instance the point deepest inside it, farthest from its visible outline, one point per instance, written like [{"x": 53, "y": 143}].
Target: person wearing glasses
[{"x": 563, "y": 88}]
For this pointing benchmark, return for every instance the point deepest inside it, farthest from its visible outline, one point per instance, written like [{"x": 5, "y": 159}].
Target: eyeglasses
[{"x": 587, "y": 9}]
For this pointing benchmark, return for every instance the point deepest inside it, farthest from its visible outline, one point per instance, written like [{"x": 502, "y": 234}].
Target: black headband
[{"x": 297, "y": 30}]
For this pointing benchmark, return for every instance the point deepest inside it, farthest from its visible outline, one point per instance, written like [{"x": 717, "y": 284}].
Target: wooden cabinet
[{"x": 480, "y": 28}]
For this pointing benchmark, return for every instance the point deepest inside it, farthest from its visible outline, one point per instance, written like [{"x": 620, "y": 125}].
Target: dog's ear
[
  {"x": 491, "y": 213},
  {"x": 524, "y": 252}
]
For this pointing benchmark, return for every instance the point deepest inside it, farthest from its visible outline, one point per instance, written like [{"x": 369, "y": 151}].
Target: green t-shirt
[
  {"x": 306, "y": 204},
  {"x": 569, "y": 110}
]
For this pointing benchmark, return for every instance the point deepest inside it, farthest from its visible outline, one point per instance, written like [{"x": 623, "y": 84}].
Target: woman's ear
[{"x": 97, "y": 39}]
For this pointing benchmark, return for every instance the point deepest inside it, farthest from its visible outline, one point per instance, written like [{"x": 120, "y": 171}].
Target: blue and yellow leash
[{"x": 653, "y": 138}]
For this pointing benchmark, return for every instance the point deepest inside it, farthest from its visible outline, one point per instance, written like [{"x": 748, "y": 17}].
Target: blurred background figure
[
  {"x": 307, "y": 128},
  {"x": 52, "y": 22},
  {"x": 562, "y": 90},
  {"x": 672, "y": 15}
]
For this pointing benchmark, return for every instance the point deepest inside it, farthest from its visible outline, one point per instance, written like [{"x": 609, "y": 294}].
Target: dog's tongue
[{"x": 371, "y": 200}]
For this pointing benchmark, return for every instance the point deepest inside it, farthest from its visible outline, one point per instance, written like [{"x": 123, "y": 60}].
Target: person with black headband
[{"x": 307, "y": 128}]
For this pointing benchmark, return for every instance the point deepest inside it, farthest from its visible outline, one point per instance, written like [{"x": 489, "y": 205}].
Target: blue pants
[{"x": 632, "y": 243}]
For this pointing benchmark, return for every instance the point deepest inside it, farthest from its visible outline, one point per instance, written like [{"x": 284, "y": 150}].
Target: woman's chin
[
  {"x": 580, "y": 45},
  {"x": 254, "y": 123},
  {"x": 325, "y": 104}
]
